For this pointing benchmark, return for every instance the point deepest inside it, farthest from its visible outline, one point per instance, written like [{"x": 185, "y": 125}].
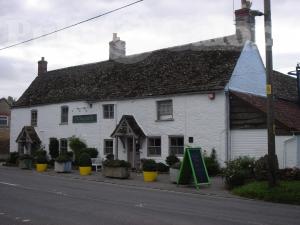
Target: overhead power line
[{"x": 73, "y": 25}]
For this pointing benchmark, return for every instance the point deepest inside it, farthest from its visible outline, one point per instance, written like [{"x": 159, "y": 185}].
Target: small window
[
  {"x": 63, "y": 145},
  {"x": 176, "y": 145},
  {"x": 34, "y": 118},
  {"x": 108, "y": 111},
  {"x": 154, "y": 146},
  {"x": 108, "y": 146},
  {"x": 64, "y": 114},
  {"x": 165, "y": 110},
  {"x": 3, "y": 121}
]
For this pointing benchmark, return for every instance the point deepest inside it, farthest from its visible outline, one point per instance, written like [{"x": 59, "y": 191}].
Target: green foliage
[
  {"x": 116, "y": 163},
  {"x": 161, "y": 167},
  {"x": 54, "y": 148},
  {"x": 172, "y": 159},
  {"x": 261, "y": 168},
  {"x": 110, "y": 156},
  {"x": 289, "y": 174},
  {"x": 63, "y": 158},
  {"x": 285, "y": 192},
  {"x": 212, "y": 164},
  {"x": 77, "y": 146},
  {"x": 25, "y": 156},
  {"x": 13, "y": 158},
  {"x": 41, "y": 157},
  {"x": 93, "y": 152},
  {"x": 176, "y": 165},
  {"x": 149, "y": 165},
  {"x": 85, "y": 160},
  {"x": 238, "y": 171}
]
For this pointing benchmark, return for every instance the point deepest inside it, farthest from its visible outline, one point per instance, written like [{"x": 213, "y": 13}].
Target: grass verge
[{"x": 285, "y": 192}]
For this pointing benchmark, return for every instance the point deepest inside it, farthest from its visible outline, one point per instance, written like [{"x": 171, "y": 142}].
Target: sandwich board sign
[{"x": 193, "y": 168}]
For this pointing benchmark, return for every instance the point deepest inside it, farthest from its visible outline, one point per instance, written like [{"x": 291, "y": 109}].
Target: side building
[{"x": 4, "y": 128}]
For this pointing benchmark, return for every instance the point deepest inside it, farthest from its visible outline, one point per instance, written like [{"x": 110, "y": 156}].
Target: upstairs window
[
  {"x": 108, "y": 111},
  {"x": 154, "y": 146},
  {"x": 64, "y": 114},
  {"x": 63, "y": 146},
  {"x": 165, "y": 110},
  {"x": 3, "y": 121},
  {"x": 176, "y": 145},
  {"x": 108, "y": 146},
  {"x": 34, "y": 118}
]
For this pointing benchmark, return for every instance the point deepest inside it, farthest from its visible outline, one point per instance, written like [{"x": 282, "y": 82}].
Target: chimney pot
[
  {"x": 117, "y": 48},
  {"x": 42, "y": 66}
]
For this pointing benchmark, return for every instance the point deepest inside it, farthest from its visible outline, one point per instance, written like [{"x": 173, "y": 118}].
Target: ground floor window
[
  {"x": 154, "y": 146},
  {"x": 108, "y": 146},
  {"x": 63, "y": 145},
  {"x": 176, "y": 145}
]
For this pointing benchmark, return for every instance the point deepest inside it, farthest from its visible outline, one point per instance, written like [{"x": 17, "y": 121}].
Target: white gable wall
[
  {"x": 249, "y": 74},
  {"x": 194, "y": 116}
]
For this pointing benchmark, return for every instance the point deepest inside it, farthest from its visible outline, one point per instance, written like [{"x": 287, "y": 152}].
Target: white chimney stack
[{"x": 117, "y": 48}]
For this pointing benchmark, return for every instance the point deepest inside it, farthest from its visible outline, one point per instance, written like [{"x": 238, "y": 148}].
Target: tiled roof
[
  {"x": 285, "y": 87},
  {"x": 177, "y": 70},
  {"x": 28, "y": 132},
  {"x": 137, "y": 130},
  {"x": 287, "y": 113}
]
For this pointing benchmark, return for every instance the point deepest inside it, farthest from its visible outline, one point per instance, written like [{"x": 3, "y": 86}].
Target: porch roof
[
  {"x": 29, "y": 133},
  {"x": 127, "y": 127}
]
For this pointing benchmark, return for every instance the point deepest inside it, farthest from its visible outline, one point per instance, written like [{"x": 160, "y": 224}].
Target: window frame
[
  {"x": 65, "y": 147},
  {"x": 177, "y": 146},
  {"x": 62, "y": 116},
  {"x": 34, "y": 121},
  {"x": 109, "y": 112},
  {"x": 154, "y": 147},
  {"x": 5, "y": 118},
  {"x": 159, "y": 111},
  {"x": 105, "y": 146}
]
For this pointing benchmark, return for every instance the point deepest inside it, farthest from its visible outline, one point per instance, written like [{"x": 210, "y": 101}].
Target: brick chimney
[
  {"x": 117, "y": 48},
  {"x": 245, "y": 22},
  {"x": 42, "y": 66}
]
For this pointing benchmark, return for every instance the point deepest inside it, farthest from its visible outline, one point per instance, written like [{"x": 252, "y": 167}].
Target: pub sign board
[
  {"x": 193, "y": 168},
  {"x": 92, "y": 118}
]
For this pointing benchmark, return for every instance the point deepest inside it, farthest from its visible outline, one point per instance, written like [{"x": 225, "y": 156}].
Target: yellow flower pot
[
  {"x": 41, "y": 167},
  {"x": 85, "y": 170},
  {"x": 149, "y": 176}
]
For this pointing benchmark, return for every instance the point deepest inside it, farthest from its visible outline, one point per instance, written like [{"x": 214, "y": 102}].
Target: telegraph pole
[{"x": 269, "y": 89}]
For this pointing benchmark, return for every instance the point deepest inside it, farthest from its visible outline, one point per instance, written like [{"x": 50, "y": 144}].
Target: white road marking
[
  {"x": 2, "y": 213},
  {"x": 26, "y": 220},
  {"x": 9, "y": 184},
  {"x": 141, "y": 205}
]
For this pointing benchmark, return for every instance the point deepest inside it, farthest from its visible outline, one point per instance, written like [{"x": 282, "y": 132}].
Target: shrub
[
  {"x": 212, "y": 164},
  {"x": 63, "y": 158},
  {"x": 25, "y": 156},
  {"x": 53, "y": 148},
  {"x": 41, "y": 157},
  {"x": 176, "y": 165},
  {"x": 110, "y": 156},
  {"x": 261, "y": 168},
  {"x": 116, "y": 163},
  {"x": 171, "y": 160},
  {"x": 77, "y": 146},
  {"x": 161, "y": 167},
  {"x": 13, "y": 158},
  {"x": 238, "y": 171},
  {"x": 149, "y": 165},
  {"x": 70, "y": 154},
  {"x": 93, "y": 152},
  {"x": 289, "y": 174},
  {"x": 85, "y": 160}
]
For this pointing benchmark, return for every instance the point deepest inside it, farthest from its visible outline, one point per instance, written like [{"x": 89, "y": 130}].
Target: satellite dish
[{"x": 246, "y": 4}]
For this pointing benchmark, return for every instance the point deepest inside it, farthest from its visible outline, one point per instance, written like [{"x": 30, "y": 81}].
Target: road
[{"x": 27, "y": 197}]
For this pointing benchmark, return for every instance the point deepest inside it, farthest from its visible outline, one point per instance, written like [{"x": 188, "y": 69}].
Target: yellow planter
[
  {"x": 41, "y": 167},
  {"x": 150, "y": 176},
  {"x": 86, "y": 170}
]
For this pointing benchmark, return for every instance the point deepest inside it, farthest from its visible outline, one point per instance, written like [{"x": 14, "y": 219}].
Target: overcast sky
[{"x": 149, "y": 25}]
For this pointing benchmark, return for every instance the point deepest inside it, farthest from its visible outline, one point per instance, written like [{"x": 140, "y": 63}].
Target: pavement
[{"x": 28, "y": 197}]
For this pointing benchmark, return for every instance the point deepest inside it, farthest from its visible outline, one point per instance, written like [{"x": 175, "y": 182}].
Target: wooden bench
[{"x": 96, "y": 162}]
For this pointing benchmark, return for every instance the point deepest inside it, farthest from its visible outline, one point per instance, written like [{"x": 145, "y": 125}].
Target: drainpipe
[{"x": 227, "y": 127}]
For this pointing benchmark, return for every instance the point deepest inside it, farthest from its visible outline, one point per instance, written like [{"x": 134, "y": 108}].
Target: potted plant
[
  {"x": 25, "y": 161},
  {"x": 174, "y": 164},
  {"x": 41, "y": 161},
  {"x": 63, "y": 164},
  {"x": 85, "y": 164},
  {"x": 174, "y": 172},
  {"x": 149, "y": 170},
  {"x": 116, "y": 169}
]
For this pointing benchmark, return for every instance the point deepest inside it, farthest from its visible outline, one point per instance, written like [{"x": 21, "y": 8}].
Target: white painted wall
[
  {"x": 254, "y": 143},
  {"x": 249, "y": 74},
  {"x": 194, "y": 116}
]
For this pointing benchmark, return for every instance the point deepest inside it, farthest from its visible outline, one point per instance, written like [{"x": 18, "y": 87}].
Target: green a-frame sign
[{"x": 193, "y": 167}]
